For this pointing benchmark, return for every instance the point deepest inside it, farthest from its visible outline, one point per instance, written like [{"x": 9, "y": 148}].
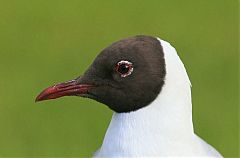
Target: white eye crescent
[{"x": 124, "y": 68}]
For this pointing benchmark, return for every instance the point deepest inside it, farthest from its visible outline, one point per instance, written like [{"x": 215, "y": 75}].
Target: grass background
[{"x": 45, "y": 42}]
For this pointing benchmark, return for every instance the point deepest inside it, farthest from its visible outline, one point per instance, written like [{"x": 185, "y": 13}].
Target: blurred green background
[{"x": 45, "y": 42}]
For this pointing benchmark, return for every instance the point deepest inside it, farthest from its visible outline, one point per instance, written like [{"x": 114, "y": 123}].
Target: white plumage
[{"x": 163, "y": 128}]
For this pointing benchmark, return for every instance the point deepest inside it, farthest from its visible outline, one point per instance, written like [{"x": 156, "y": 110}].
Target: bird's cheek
[
  {"x": 116, "y": 77},
  {"x": 98, "y": 92}
]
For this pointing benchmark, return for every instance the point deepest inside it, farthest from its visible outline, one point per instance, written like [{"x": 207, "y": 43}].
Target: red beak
[{"x": 69, "y": 88}]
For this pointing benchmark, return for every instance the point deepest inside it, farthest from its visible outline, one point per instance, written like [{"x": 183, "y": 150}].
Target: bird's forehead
[
  {"x": 139, "y": 50},
  {"x": 112, "y": 58},
  {"x": 131, "y": 48}
]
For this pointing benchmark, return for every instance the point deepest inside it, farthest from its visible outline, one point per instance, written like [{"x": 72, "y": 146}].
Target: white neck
[{"x": 156, "y": 124}]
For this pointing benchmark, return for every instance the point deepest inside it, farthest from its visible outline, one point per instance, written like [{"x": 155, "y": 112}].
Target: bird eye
[{"x": 124, "y": 68}]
